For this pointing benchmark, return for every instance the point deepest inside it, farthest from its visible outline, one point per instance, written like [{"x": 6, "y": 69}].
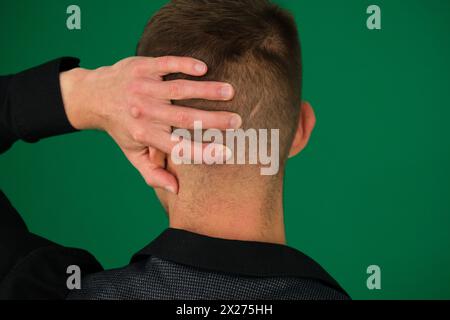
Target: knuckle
[
  {"x": 136, "y": 67},
  {"x": 163, "y": 63},
  {"x": 175, "y": 90},
  {"x": 139, "y": 136},
  {"x": 182, "y": 119}
]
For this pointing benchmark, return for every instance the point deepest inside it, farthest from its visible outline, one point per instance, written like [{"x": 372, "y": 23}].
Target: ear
[{"x": 306, "y": 125}]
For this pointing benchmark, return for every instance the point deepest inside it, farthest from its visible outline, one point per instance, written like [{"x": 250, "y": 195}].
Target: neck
[{"x": 250, "y": 214}]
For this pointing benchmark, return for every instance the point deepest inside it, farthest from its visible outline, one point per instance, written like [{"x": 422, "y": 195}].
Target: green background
[{"x": 372, "y": 188}]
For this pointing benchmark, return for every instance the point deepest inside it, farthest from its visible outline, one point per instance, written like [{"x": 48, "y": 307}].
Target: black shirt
[
  {"x": 177, "y": 265},
  {"x": 185, "y": 266}
]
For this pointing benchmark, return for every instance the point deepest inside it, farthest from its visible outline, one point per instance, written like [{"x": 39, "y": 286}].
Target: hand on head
[{"x": 132, "y": 103}]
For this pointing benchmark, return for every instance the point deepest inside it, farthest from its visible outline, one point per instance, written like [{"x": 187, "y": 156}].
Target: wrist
[{"x": 75, "y": 91}]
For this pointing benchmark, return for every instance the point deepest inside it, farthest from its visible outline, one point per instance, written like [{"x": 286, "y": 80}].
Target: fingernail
[
  {"x": 171, "y": 189},
  {"x": 236, "y": 122},
  {"x": 223, "y": 152},
  {"x": 200, "y": 67},
  {"x": 226, "y": 92}
]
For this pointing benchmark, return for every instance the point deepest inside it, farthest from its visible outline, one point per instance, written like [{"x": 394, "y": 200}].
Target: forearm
[
  {"x": 129, "y": 100},
  {"x": 31, "y": 104}
]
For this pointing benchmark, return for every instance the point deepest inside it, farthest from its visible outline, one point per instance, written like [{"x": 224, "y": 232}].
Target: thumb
[{"x": 151, "y": 165}]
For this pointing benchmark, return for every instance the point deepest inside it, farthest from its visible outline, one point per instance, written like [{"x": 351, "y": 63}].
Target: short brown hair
[{"x": 252, "y": 44}]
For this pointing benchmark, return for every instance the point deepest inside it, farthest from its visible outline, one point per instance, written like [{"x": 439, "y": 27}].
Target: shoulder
[{"x": 43, "y": 272}]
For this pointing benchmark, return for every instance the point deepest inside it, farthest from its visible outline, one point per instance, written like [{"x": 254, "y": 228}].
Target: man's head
[{"x": 251, "y": 44}]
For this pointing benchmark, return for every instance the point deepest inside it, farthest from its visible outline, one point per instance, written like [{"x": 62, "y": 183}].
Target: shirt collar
[{"x": 253, "y": 259}]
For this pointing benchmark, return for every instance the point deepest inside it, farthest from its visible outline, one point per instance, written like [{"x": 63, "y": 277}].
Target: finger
[
  {"x": 192, "y": 152},
  {"x": 184, "y": 117},
  {"x": 160, "y": 178},
  {"x": 170, "y": 64},
  {"x": 179, "y": 148},
  {"x": 155, "y": 174},
  {"x": 186, "y": 90},
  {"x": 157, "y": 157}
]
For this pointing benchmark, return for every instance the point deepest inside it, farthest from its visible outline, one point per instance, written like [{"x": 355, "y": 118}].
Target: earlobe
[
  {"x": 306, "y": 124},
  {"x": 296, "y": 143}
]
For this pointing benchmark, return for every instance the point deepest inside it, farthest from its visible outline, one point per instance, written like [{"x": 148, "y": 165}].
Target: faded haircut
[{"x": 251, "y": 44}]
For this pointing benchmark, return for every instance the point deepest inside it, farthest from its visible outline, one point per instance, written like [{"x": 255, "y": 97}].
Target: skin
[
  {"x": 131, "y": 102},
  {"x": 250, "y": 211}
]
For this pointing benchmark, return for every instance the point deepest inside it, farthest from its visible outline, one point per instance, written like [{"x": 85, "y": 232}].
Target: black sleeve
[
  {"x": 32, "y": 267},
  {"x": 31, "y": 108}
]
